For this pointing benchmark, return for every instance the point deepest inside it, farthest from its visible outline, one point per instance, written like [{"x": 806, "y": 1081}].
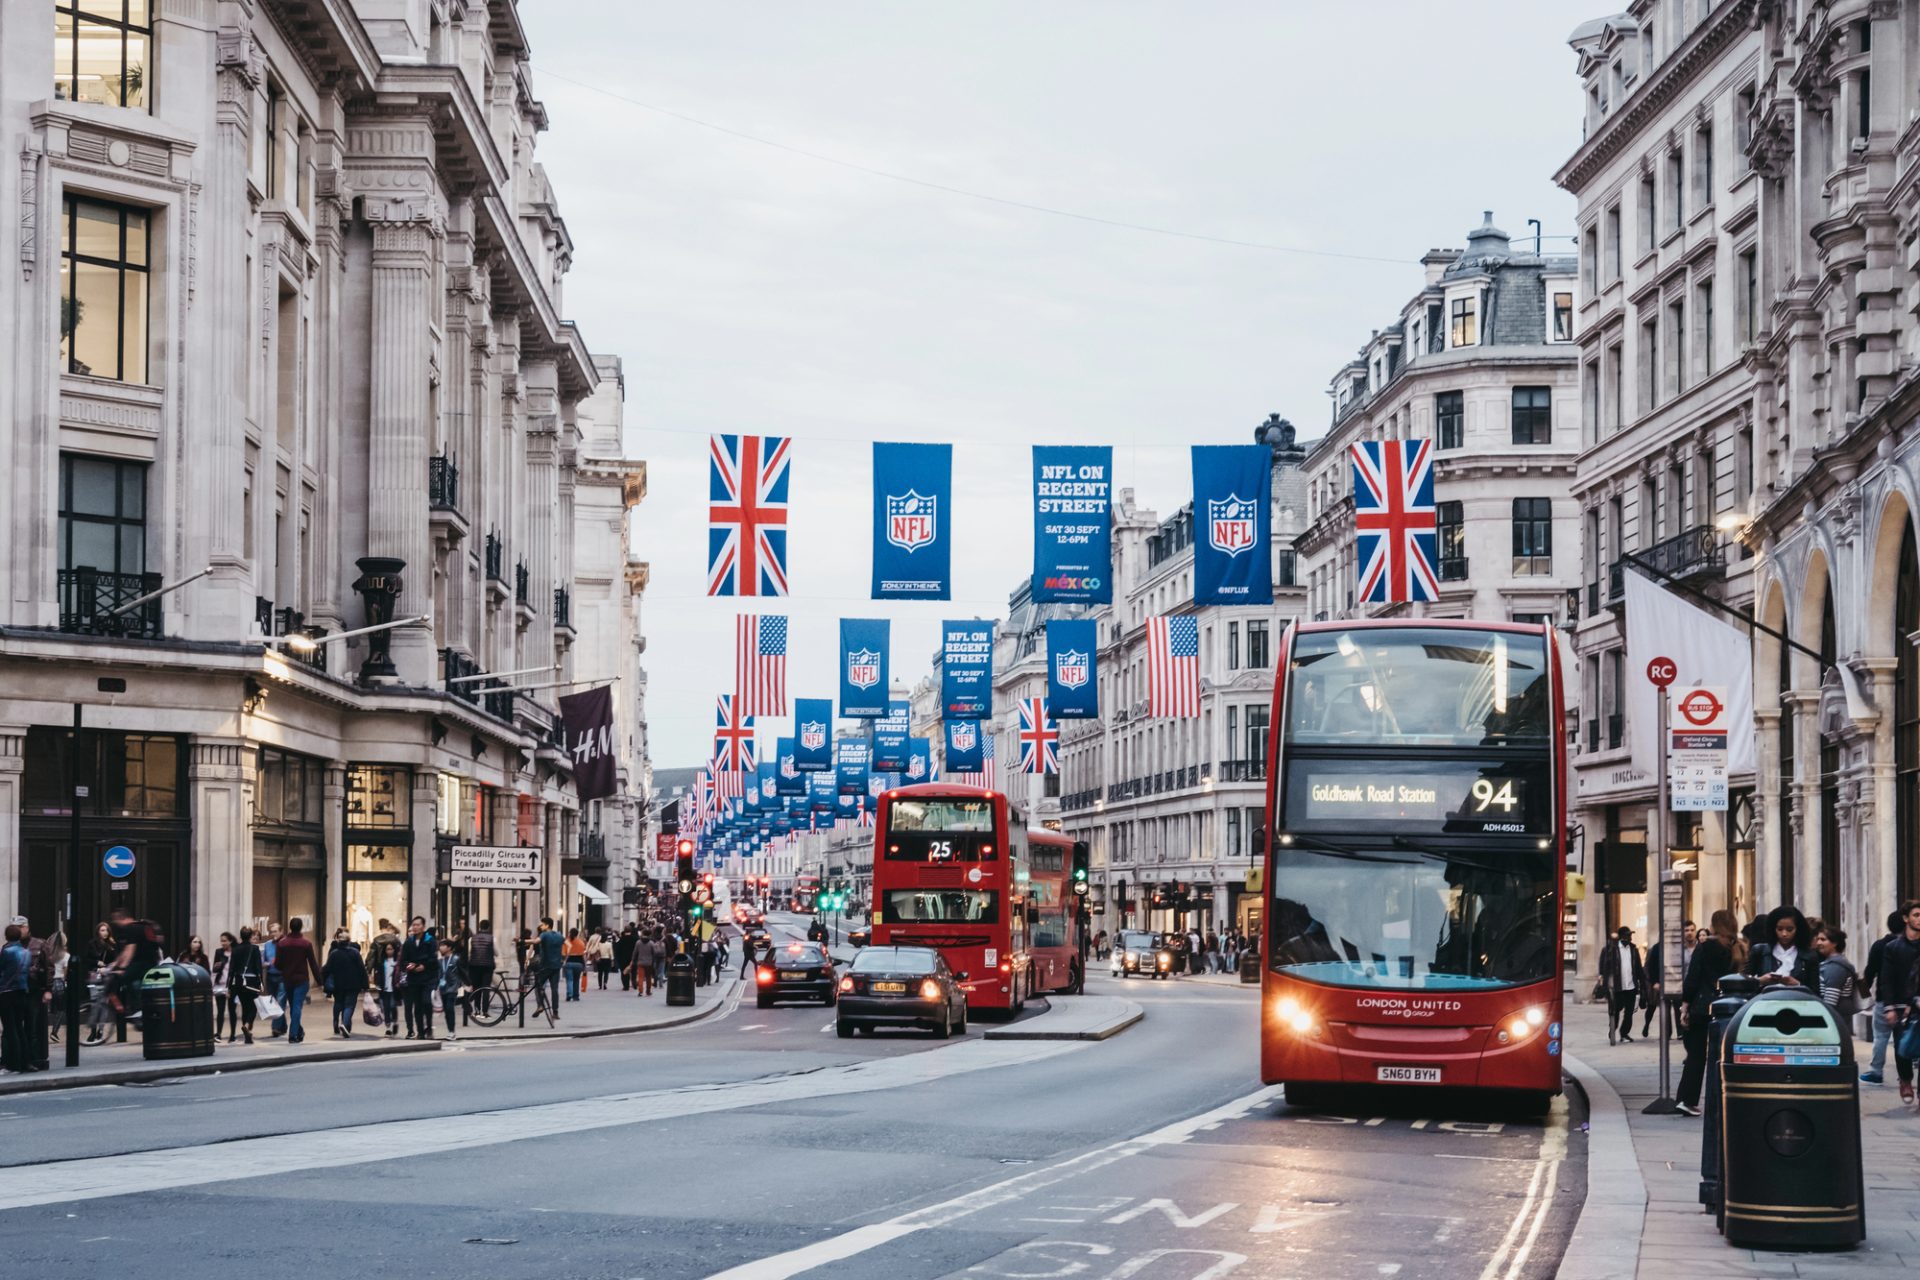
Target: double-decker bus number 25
[
  {"x": 939, "y": 850},
  {"x": 1487, "y": 794}
]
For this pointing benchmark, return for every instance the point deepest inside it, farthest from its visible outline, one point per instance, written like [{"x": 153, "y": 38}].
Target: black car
[
  {"x": 901, "y": 987},
  {"x": 797, "y": 971}
]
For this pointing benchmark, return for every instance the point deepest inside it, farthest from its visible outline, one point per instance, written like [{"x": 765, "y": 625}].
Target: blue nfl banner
[
  {"x": 850, "y": 763},
  {"x": 863, "y": 668},
  {"x": 788, "y": 780},
  {"x": 821, "y": 792},
  {"x": 812, "y": 734},
  {"x": 912, "y": 521},
  {"x": 966, "y": 670},
  {"x": 966, "y": 749},
  {"x": 890, "y": 738},
  {"x": 1073, "y": 689},
  {"x": 845, "y": 807},
  {"x": 769, "y": 783},
  {"x": 750, "y": 791},
  {"x": 1232, "y": 492},
  {"x": 919, "y": 760},
  {"x": 1072, "y": 527},
  {"x": 881, "y": 782}
]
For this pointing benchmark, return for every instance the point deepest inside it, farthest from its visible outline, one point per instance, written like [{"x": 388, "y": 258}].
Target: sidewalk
[
  {"x": 1081, "y": 1017},
  {"x": 597, "y": 1013},
  {"x": 1677, "y": 1237}
]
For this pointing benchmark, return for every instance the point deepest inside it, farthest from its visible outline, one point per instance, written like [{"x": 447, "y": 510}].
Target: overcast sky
[{"x": 750, "y": 288}]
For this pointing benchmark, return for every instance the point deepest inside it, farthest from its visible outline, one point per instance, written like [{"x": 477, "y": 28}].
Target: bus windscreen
[{"x": 940, "y": 829}]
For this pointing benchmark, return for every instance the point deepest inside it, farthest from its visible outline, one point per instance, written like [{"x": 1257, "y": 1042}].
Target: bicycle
[{"x": 491, "y": 1005}]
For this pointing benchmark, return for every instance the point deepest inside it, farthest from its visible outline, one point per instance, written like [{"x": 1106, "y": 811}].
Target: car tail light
[
  {"x": 929, "y": 990},
  {"x": 763, "y": 974},
  {"x": 846, "y": 984}
]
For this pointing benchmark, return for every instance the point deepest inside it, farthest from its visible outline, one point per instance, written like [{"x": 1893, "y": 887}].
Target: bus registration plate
[{"x": 1408, "y": 1075}]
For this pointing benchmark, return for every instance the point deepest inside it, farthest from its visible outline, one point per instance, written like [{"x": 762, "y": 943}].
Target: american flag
[
  {"x": 1393, "y": 520},
  {"x": 732, "y": 739},
  {"x": 760, "y": 665},
  {"x": 1173, "y": 666},
  {"x": 747, "y": 515},
  {"x": 989, "y": 776},
  {"x": 1039, "y": 739}
]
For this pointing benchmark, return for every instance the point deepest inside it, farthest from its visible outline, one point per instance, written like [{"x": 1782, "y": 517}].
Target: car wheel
[
  {"x": 963, "y": 1019},
  {"x": 843, "y": 1029},
  {"x": 945, "y": 1030}
]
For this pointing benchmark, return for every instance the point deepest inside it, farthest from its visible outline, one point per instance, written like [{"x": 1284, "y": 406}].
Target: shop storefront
[
  {"x": 378, "y": 865},
  {"x": 289, "y": 841}
]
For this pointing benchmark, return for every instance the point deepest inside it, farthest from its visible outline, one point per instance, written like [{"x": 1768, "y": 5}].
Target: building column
[
  {"x": 333, "y": 807},
  {"x": 13, "y": 764},
  {"x": 220, "y": 778},
  {"x": 1878, "y": 879},
  {"x": 424, "y": 862}
]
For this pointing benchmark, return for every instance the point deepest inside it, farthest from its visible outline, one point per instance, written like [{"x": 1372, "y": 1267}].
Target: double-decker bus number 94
[{"x": 1487, "y": 796}]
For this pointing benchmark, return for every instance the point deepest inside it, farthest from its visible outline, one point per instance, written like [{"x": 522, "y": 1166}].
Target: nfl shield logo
[
  {"x": 875, "y": 785},
  {"x": 863, "y": 669},
  {"x": 786, "y": 768},
  {"x": 1230, "y": 524},
  {"x": 910, "y": 520},
  {"x": 916, "y": 767},
  {"x": 1071, "y": 669},
  {"x": 766, "y": 788},
  {"x": 964, "y": 736},
  {"x": 813, "y": 736}
]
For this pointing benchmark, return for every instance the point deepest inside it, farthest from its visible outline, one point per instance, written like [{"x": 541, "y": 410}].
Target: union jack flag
[
  {"x": 1393, "y": 520},
  {"x": 732, "y": 739},
  {"x": 702, "y": 800},
  {"x": 1039, "y": 739},
  {"x": 747, "y": 516}
]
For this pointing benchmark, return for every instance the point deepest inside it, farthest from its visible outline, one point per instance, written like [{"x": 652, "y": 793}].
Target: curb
[
  {"x": 1131, "y": 1014},
  {"x": 631, "y": 1029},
  {"x": 1605, "y": 1243},
  {"x": 46, "y": 1082}
]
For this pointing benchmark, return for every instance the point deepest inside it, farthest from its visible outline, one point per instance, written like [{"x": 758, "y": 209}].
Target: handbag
[
  {"x": 370, "y": 1011},
  {"x": 265, "y": 1006},
  {"x": 1909, "y": 1044}
]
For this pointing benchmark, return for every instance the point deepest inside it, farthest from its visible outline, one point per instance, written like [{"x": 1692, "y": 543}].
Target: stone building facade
[{"x": 288, "y": 349}]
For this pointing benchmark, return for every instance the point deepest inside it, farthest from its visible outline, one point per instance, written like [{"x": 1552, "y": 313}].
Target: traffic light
[
  {"x": 683, "y": 869},
  {"x": 1081, "y": 857}
]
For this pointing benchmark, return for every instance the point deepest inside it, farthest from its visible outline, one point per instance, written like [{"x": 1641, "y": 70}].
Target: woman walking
[
  {"x": 1718, "y": 952},
  {"x": 1787, "y": 956},
  {"x": 385, "y": 972},
  {"x": 345, "y": 977},
  {"x": 225, "y": 1012},
  {"x": 248, "y": 980},
  {"x": 574, "y": 962},
  {"x": 603, "y": 958}
]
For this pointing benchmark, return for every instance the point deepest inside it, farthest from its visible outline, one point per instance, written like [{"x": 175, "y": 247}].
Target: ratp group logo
[
  {"x": 965, "y": 735},
  {"x": 863, "y": 668},
  {"x": 911, "y": 519},
  {"x": 1070, "y": 669},
  {"x": 1230, "y": 523},
  {"x": 813, "y": 735}
]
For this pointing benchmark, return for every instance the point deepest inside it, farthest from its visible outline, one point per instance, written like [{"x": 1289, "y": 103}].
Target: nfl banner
[
  {"x": 1393, "y": 521},
  {"x": 965, "y": 752},
  {"x": 919, "y": 760},
  {"x": 587, "y": 719},
  {"x": 863, "y": 668},
  {"x": 912, "y": 521},
  {"x": 890, "y": 738},
  {"x": 812, "y": 734},
  {"x": 769, "y": 786},
  {"x": 966, "y": 671},
  {"x": 1232, "y": 488},
  {"x": 850, "y": 766},
  {"x": 821, "y": 792},
  {"x": 1072, "y": 532},
  {"x": 846, "y": 808},
  {"x": 878, "y": 783},
  {"x": 1073, "y": 693},
  {"x": 788, "y": 780}
]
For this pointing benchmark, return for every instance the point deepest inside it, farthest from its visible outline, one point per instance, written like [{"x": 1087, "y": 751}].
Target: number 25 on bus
[{"x": 1416, "y": 859}]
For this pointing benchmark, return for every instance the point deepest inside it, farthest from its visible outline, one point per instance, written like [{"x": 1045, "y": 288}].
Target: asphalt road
[{"x": 758, "y": 1144}]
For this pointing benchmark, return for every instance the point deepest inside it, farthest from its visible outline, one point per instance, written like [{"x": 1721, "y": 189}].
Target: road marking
[
  {"x": 1510, "y": 1260},
  {"x": 754, "y": 1026},
  {"x": 125, "y": 1106},
  {"x": 781, "y": 1266}
]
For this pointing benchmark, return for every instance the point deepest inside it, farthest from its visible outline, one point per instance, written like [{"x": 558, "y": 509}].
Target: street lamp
[{"x": 307, "y": 644}]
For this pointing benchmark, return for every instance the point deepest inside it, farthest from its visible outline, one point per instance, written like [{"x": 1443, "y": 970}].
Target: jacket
[
  {"x": 422, "y": 951},
  {"x": 480, "y": 952},
  {"x": 293, "y": 957},
  {"x": 1837, "y": 979},
  {"x": 345, "y": 973},
  {"x": 450, "y": 974},
  {"x": 1610, "y": 966},
  {"x": 1806, "y": 965},
  {"x": 1870, "y": 972},
  {"x": 623, "y": 948},
  {"x": 1898, "y": 982},
  {"x": 247, "y": 970},
  {"x": 1711, "y": 962}
]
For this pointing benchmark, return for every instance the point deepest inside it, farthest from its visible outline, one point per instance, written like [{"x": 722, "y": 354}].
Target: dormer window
[{"x": 1462, "y": 323}]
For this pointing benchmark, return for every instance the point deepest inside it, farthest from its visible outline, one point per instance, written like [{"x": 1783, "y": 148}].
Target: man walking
[
  {"x": 623, "y": 949},
  {"x": 13, "y": 1002},
  {"x": 1869, "y": 985},
  {"x": 480, "y": 966},
  {"x": 548, "y": 960},
  {"x": 299, "y": 969},
  {"x": 1895, "y": 985},
  {"x": 420, "y": 961},
  {"x": 645, "y": 949},
  {"x": 1622, "y": 977}
]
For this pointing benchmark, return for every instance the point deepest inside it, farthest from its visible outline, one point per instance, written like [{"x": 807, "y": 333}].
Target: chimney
[{"x": 1487, "y": 241}]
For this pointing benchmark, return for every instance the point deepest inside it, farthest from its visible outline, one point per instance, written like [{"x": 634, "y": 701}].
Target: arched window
[
  {"x": 1829, "y": 904},
  {"x": 1906, "y": 715}
]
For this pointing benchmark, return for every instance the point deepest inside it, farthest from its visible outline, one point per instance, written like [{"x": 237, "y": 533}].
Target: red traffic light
[{"x": 686, "y": 848}]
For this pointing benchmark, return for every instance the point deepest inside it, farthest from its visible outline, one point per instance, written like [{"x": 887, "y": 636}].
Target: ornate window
[
  {"x": 100, "y": 50},
  {"x": 103, "y": 289}
]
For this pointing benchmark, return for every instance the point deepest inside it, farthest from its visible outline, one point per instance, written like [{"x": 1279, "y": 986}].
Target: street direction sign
[
  {"x": 483, "y": 857},
  {"x": 118, "y": 861},
  {"x": 495, "y": 879},
  {"x": 1663, "y": 672}
]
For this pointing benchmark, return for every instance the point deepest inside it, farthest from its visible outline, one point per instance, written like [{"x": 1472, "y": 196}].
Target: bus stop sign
[{"x": 1662, "y": 672}]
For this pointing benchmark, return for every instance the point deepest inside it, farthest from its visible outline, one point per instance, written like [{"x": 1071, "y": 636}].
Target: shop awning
[{"x": 590, "y": 893}]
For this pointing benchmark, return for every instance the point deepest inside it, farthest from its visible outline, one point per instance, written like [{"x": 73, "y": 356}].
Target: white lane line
[
  {"x": 754, "y": 1026},
  {"x": 1444, "y": 1155},
  {"x": 125, "y": 1106},
  {"x": 781, "y": 1266},
  {"x": 1510, "y": 1259},
  {"x": 95, "y": 1177}
]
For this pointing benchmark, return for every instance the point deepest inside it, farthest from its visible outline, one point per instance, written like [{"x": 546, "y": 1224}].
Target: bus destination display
[{"x": 1354, "y": 795}]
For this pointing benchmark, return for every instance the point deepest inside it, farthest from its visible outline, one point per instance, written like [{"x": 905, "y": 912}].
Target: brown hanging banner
[{"x": 587, "y": 720}]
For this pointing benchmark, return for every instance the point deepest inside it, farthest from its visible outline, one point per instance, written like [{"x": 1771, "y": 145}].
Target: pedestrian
[
  {"x": 1621, "y": 977},
  {"x": 299, "y": 970},
  {"x": 548, "y": 961},
  {"x": 1897, "y": 986},
  {"x": 666, "y": 945},
  {"x": 644, "y": 948},
  {"x": 14, "y": 961},
  {"x": 389, "y": 932},
  {"x": 1717, "y": 952},
  {"x": 709, "y": 957},
  {"x": 1787, "y": 956},
  {"x": 345, "y": 977},
  {"x": 600, "y": 952},
  {"x": 1651, "y": 994},
  {"x": 276, "y": 986},
  {"x": 419, "y": 962},
  {"x": 389, "y": 983},
  {"x": 623, "y": 949},
  {"x": 574, "y": 958},
  {"x": 480, "y": 966},
  {"x": 196, "y": 955},
  {"x": 448, "y": 978},
  {"x": 40, "y": 973},
  {"x": 226, "y": 1013},
  {"x": 1838, "y": 979},
  {"x": 102, "y": 950},
  {"x": 249, "y": 979},
  {"x": 1669, "y": 990},
  {"x": 1869, "y": 981}
]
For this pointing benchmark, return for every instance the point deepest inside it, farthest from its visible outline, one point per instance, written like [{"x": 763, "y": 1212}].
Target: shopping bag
[
  {"x": 370, "y": 1011},
  {"x": 265, "y": 1006},
  {"x": 436, "y": 999}
]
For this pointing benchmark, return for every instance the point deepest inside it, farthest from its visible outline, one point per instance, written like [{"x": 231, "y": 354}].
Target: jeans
[
  {"x": 479, "y": 978},
  {"x": 296, "y": 997},
  {"x": 1881, "y": 1034},
  {"x": 550, "y": 978},
  {"x": 343, "y": 1012},
  {"x": 450, "y": 1006},
  {"x": 389, "y": 1010},
  {"x": 575, "y": 969},
  {"x": 13, "y": 1030}
]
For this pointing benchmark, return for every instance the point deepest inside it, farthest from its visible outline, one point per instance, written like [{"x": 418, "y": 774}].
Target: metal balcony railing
[
  {"x": 521, "y": 582},
  {"x": 1616, "y": 731},
  {"x": 88, "y": 598},
  {"x": 1691, "y": 553},
  {"x": 562, "y": 608},
  {"x": 496, "y": 555},
  {"x": 443, "y": 483},
  {"x": 1243, "y": 770},
  {"x": 454, "y": 664},
  {"x": 1453, "y": 569}
]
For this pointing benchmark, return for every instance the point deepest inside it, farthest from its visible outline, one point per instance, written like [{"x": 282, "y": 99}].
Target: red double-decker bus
[
  {"x": 999, "y": 904},
  {"x": 1416, "y": 859}
]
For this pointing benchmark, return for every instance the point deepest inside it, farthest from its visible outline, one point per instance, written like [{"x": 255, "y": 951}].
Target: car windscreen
[
  {"x": 796, "y": 957},
  {"x": 895, "y": 960},
  {"x": 1138, "y": 942}
]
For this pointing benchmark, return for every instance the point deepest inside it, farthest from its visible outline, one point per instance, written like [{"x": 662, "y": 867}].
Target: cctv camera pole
[{"x": 1664, "y": 1105}]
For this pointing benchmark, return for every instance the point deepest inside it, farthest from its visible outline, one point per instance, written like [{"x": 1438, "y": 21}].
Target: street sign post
[
  {"x": 494, "y": 867},
  {"x": 118, "y": 861},
  {"x": 1662, "y": 672},
  {"x": 1697, "y": 749}
]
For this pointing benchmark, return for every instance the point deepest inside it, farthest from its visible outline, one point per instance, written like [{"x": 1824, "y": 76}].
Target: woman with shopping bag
[
  {"x": 248, "y": 980},
  {"x": 344, "y": 977}
]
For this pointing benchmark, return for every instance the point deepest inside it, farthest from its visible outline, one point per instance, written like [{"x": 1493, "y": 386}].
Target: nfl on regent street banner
[
  {"x": 919, "y": 760},
  {"x": 863, "y": 668},
  {"x": 587, "y": 719},
  {"x": 788, "y": 781},
  {"x": 890, "y": 738},
  {"x": 966, "y": 670},
  {"x": 821, "y": 792},
  {"x": 1073, "y": 693},
  {"x": 912, "y": 521},
  {"x": 850, "y": 766},
  {"x": 1072, "y": 527},
  {"x": 1232, "y": 488},
  {"x": 812, "y": 734},
  {"x": 965, "y": 752}
]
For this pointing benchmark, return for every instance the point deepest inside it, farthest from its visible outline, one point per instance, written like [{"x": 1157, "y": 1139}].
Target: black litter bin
[
  {"x": 1734, "y": 992},
  {"x": 176, "y": 1012},
  {"x": 1249, "y": 967},
  {"x": 1790, "y": 1127},
  {"x": 680, "y": 980}
]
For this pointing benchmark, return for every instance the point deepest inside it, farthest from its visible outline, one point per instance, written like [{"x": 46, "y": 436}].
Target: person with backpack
[{"x": 480, "y": 965}]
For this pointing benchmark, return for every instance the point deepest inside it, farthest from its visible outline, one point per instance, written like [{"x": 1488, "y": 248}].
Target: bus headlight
[
  {"x": 1294, "y": 1016},
  {"x": 1522, "y": 1025}
]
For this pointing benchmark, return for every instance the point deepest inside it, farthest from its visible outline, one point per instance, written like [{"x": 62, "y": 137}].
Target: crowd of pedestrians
[{"x": 1194, "y": 950}]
